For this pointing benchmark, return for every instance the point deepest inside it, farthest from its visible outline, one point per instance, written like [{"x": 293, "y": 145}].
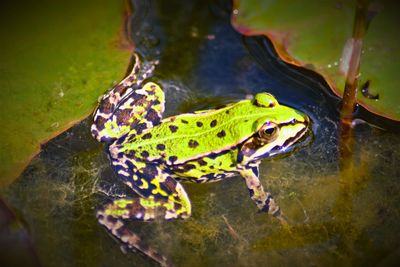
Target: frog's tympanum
[{"x": 151, "y": 154}]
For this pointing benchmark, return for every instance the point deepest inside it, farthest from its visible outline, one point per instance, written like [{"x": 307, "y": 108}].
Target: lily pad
[
  {"x": 57, "y": 58},
  {"x": 205, "y": 63},
  {"x": 314, "y": 34}
]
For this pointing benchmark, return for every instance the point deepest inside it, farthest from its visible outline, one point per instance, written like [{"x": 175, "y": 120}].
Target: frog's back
[{"x": 192, "y": 135}]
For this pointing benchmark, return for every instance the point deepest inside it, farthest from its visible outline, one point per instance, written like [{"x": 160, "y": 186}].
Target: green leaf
[
  {"x": 314, "y": 33},
  {"x": 57, "y": 58}
]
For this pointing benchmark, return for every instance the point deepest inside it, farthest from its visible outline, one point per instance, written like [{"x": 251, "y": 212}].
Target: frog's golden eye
[{"x": 269, "y": 132}]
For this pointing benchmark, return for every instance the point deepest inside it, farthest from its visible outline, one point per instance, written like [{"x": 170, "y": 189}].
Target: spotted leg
[
  {"x": 129, "y": 107},
  {"x": 263, "y": 199},
  {"x": 161, "y": 198}
]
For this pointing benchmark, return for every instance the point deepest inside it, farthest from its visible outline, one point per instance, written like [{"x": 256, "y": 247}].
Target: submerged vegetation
[{"x": 334, "y": 217}]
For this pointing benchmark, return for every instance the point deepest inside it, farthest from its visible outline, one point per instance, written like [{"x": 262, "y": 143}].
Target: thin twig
[{"x": 230, "y": 228}]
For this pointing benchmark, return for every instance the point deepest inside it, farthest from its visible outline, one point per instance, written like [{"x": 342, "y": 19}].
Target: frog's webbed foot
[
  {"x": 131, "y": 106},
  {"x": 263, "y": 199},
  {"x": 118, "y": 229},
  {"x": 174, "y": 204}
]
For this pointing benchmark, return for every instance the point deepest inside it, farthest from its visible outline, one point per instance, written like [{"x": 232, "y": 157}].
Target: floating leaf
[
  {"x": 57, "y": 58},
  {"x": 315, "y": 34}
]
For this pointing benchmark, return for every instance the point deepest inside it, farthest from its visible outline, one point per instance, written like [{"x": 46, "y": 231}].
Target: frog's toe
[
  {"x": 110, "y": 219},
  {"x": 175, "y": 204}
]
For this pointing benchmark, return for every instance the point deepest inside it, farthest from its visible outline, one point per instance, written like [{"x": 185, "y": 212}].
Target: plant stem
[
  {"x": 348, "y": 174},
  {"x": 350, "y": 91}
]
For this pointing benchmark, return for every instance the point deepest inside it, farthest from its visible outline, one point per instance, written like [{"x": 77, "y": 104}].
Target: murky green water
[{"x": 333, "y": 220}]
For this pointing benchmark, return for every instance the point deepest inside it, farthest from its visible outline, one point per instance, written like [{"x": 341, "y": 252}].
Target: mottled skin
[{"x": 151, "y": 154}]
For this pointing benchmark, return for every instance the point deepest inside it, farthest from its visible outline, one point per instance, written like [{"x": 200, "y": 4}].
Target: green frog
[{"x": 152, "y": 154}]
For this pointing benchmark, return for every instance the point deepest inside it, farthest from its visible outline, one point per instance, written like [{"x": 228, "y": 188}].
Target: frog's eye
[{"x": 269, "y": 132}]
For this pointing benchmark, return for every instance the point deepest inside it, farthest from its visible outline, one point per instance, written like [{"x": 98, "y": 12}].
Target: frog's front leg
[
  {"x": 263, "y": 200},
  {"x": 166, "y": 199}
]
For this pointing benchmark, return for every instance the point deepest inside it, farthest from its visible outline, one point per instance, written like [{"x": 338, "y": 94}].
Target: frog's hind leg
[
  {"x": 111, "y": 217},
  {"x": 131, "y": 106},
  {"x": 166, "y": 199}
]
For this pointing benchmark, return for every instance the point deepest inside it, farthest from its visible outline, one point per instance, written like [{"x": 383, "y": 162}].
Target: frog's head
[{"x": 277, "y": 130}]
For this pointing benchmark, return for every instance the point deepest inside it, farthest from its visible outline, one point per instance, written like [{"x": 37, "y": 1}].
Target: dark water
[{"x": 333, "y": 221}]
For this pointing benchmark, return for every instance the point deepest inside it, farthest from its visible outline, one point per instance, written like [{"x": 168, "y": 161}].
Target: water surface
[{"x": 333, "y": 220}]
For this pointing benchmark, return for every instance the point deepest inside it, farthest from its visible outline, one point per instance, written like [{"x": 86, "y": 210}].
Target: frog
[{"x": 153, "y": 155}]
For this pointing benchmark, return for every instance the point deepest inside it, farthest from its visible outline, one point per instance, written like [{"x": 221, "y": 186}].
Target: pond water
[{"x": 334, "y": 220}]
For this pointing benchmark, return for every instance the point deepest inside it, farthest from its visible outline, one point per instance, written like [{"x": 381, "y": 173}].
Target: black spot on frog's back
[
  {"x": 199, "y": 124},
  {"x": 213, "y": 123},
  {"x": 160, "y": 147},
  {"x": 173, "y": 128},
  {"x": 193, "y": 143},
  {"x": 147, "y": 136},
  {"x": 172, "y": 158},
  {"x": 221, "y": 134}
]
